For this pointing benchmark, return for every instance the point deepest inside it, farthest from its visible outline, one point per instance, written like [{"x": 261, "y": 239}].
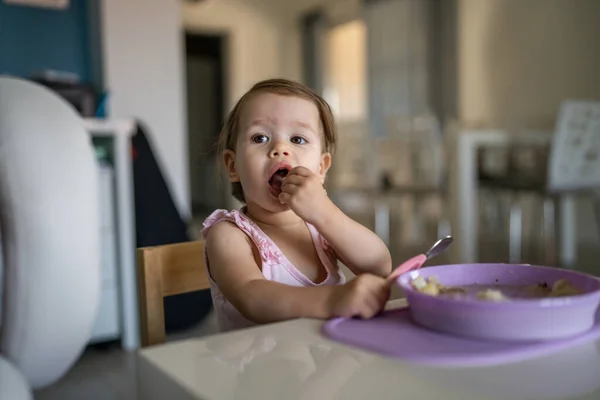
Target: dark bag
[{"x": 157, "y": 223}]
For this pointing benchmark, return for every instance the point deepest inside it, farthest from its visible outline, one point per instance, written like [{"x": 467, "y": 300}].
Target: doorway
[{"x": 205, "y": 67}]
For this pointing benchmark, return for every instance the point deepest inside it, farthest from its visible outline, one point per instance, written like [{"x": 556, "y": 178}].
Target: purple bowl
[{"x": 511, "y": 320}]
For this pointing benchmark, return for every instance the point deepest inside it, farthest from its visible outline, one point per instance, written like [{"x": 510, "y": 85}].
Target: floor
[{"x": 105, "y": 372}]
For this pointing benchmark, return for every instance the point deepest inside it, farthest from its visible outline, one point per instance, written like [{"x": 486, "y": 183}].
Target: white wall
[
  {"x": 261, "y": 44},
  {"x": 519, "y": 59},
  {"x": 253, "y": 40},
  {"x": 345, "y": 71},
  {"x": 143, "y": 70}
]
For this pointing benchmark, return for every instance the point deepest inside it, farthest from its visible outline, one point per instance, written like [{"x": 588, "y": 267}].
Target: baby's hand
[
  {"x": 303, "y": 192},
  {"x": 364, "y": 296}
]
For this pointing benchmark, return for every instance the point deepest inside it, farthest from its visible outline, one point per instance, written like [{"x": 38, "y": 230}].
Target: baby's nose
[{"x": 279, "y": 150}]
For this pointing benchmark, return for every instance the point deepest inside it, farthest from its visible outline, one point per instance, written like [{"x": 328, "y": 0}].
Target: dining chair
[
  {"x": 571, "y": 166},
  {"x": 166, "y": 270}
]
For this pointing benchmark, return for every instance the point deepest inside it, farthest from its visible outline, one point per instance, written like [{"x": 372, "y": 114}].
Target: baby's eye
[
  {"x": 298, "y": 140},
  {"x": 260, "y": 138}
]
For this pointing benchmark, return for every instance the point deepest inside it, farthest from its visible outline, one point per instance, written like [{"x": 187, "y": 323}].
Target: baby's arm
[
  {"x": 358, "y": 248},
  {"x": 235, "y": 269}
]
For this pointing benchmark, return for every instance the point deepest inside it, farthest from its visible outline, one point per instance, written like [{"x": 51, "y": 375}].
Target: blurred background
[{"x": 475, "y": 118}]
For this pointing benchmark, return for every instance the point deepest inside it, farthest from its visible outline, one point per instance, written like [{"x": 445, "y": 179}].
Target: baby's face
[{"x": 275, "y": 133}]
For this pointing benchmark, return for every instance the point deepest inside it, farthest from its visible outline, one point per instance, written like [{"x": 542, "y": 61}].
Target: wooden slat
[
  {"x": 150, "y": 298},
  {"x": 183, "y": 268},
  {"x": 165, "y": 271}
]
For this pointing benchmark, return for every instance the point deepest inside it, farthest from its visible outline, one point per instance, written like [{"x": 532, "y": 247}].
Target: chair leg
[
  {"x": 443, "y": 225},
  {"x": 515, "y": 231},
  {"x": 487, "y": 207}
]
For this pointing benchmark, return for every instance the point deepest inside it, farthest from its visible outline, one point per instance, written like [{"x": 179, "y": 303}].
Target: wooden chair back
[{"x": 164, "y": 271}]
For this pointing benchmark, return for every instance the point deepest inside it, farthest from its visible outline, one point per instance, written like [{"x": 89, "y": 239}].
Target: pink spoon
[{"x": 417, "y": 261}]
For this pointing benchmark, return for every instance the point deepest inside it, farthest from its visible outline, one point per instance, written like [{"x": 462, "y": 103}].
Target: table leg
[
  {"x": 382, "y": 220},
  {"x": 467, "y": 232},
  {"x": 549, "y": 231},
  {"x": 126, "y": 230},
  {"x": 568, "y": 231},
  {"x": 515, "y": 231}
]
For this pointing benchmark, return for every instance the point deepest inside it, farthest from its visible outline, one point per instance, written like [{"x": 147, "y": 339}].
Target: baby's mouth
[{"x": 277, "y": 180}]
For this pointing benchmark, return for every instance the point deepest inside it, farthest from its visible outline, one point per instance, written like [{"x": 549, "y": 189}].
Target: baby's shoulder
[
  {"x": 223, "y": 227},
  {"x": 234, "y": 217},
  {"x": 225, "y": 236}
]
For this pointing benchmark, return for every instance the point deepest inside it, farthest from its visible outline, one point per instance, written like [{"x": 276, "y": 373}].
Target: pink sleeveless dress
[{"x": 275, "y": 265}]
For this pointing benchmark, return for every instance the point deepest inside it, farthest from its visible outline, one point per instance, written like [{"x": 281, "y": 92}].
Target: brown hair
[{"x": 284, "y": 87}]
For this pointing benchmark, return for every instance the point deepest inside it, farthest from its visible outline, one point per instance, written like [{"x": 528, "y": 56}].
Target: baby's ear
[
  {"x": 324, "y": 166},
  {"x": 229, "y": 160}
]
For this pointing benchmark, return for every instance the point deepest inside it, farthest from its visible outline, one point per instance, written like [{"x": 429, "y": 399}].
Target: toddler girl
[{"x": 277, "y": 257}]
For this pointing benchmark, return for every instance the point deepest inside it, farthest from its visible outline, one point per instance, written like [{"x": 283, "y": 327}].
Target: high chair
[{"x": 163, "y": 271}]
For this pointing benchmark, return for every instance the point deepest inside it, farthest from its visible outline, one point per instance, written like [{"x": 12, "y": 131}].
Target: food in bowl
[
  {"x": 496, "y": 292},
  {"x": 491, "y": 295}
]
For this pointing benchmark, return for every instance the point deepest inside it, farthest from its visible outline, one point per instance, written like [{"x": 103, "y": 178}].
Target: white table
[
  {"x": 121, "y": 131},
  {"x": 466, "y": 231},
  {"x": 292, "y": 360}
]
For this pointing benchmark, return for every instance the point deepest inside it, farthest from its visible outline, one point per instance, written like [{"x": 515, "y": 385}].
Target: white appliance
[
  {"x": 107, "y": 320},
  {"x": 107, "y": 326}
]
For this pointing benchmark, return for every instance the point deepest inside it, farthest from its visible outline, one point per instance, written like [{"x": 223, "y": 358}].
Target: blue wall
[{"x": 32, "y": 39}]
